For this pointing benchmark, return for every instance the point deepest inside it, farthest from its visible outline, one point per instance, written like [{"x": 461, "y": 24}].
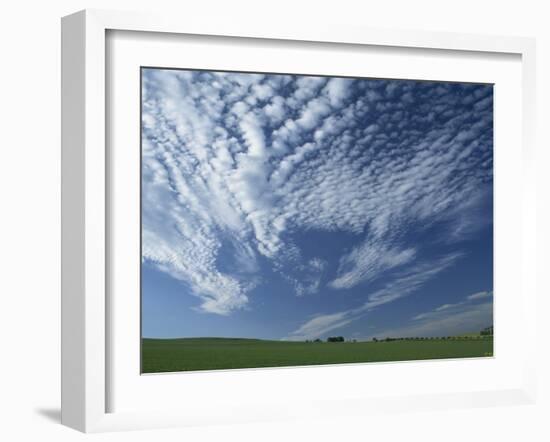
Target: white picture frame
[{"x": 86, "y": 205}]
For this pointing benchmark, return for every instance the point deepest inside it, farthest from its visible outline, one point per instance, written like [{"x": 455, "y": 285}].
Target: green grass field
[{"x": 190, "y": 354}]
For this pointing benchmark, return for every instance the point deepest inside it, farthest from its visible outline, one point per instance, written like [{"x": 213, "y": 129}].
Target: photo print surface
[{"x": 293, "y": 220}]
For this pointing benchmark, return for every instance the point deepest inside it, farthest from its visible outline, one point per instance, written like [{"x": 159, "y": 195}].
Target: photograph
[{"x": 292, "y": 219}]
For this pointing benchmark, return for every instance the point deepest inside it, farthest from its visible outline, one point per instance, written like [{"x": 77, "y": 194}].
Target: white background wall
[{"x": 30, "y": 220}]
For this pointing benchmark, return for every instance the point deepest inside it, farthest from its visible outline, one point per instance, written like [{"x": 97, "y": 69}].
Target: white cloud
[
  {"x": 275, "y": 110},
  {"x": 367, "y": 261},
  {"x": 444, "y": 307},
  {"x": 480, "y": 295},
  {"x": 320, "y": 325},
  {"x": 410, "y": 280},
  {"x": 307, "y": 279},
  {"x": 254, "y": 136},
  {"x": 338, "y": 90}
]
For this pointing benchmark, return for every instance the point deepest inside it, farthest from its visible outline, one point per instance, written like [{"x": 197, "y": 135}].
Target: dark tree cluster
[{"x": 335, "y": 339}]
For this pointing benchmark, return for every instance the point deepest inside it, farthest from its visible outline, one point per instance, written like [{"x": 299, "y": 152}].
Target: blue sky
[{"x": 296, "y": 207}]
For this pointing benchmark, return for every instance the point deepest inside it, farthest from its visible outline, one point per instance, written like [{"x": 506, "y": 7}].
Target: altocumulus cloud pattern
[{"x": 238, "y": 169}]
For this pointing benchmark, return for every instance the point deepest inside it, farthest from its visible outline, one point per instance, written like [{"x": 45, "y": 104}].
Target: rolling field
[{"x": 190, "y": 354}]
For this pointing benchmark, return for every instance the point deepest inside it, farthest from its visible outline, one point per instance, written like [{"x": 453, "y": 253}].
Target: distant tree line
[
  {"x": 487, "y": 331},
  {"x": 335, "y": 339},
  {"x": 331, "y": 339}
]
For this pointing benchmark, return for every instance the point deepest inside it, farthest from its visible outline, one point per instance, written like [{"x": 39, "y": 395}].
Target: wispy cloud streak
[
  {"x": 472, "y": 314},
  {"x": 405, "y": 283}
]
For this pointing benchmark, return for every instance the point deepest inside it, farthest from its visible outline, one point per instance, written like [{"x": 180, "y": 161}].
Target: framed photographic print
[
  {"x": 250, "y": 213},
  {"x": 283, "y": 214}
]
